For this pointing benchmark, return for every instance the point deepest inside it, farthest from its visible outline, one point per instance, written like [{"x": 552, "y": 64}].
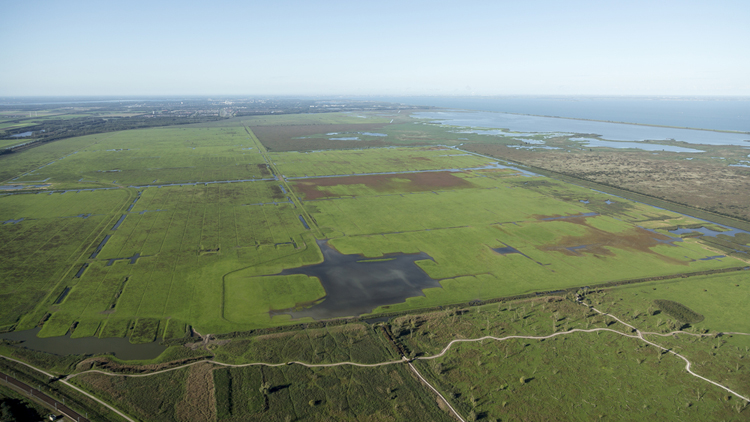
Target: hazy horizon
[{"x": 336, "y": 48}]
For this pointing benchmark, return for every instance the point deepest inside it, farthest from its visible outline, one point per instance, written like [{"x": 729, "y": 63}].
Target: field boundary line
[{"x": 161, "y": 247}]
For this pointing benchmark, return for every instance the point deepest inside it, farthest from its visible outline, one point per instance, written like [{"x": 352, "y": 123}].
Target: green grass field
[
  {"x": 152, "y": 262},
  {"x": 722, "y": 299},
  {"x": 207, "y": 254},
  {"x": 155, "y": 156},
  {"x": 40, "y": 252},
  {"x": 583, "y": 376}
]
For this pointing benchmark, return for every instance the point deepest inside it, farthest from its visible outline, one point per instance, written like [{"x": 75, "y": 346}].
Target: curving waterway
[{"x": 65, "y": 345}]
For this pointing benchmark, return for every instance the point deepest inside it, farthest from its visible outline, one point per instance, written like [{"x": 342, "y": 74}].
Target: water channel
[{"x": 65, "y": 345}]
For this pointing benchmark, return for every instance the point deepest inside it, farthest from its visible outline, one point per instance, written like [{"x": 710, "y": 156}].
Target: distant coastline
[
  {"x": 730, "y": 114},
  {"x": 627, "y": 123}
]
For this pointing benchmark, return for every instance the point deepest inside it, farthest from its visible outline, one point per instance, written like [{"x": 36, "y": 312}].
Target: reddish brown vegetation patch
[
  {"x": 411, "y": 182},
  {"x": 597, "y": 242}
]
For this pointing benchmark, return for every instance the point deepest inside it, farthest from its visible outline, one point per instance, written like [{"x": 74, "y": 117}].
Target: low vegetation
[
  {"x": 183, "y": 235},
  {"x": 678, "y": 311}
]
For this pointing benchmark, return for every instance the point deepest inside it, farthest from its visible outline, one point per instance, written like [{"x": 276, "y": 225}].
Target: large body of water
[
  {"x": 610, "y": 131},
  {"x": 699, "y": 113}
]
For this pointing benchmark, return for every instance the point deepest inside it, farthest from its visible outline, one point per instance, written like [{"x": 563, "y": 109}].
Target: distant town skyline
[{"x": 138, "y": 48}]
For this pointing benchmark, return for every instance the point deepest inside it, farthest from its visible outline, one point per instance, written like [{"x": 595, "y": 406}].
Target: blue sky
[{"x": 374, "y": 48}]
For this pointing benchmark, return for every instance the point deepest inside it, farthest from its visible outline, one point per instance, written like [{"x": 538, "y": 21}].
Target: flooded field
[{"x": 355, "y": 285}]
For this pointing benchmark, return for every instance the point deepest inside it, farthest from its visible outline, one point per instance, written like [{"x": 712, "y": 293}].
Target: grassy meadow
[
  {"x": 579, "y": 376},
  {"x": 155, "y": 156},
  {"x": 164, "y": 248}
]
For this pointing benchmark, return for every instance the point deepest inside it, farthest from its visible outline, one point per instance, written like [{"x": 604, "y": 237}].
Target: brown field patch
[
  {"x": 597, "y": 242},
  {"x": 264, "y": 169},
  {"x": 410, "y": 182},
  {"x": 283, "y": 137},
  {"x": 276, "y": 192},
  {"x": 198, "y": 403}
]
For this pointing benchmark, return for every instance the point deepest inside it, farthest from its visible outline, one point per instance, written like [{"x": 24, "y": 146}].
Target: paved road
[{"x": 47, "y": 400}]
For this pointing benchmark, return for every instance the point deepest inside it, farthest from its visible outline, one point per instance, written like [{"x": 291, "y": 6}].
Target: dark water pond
[
  {"x": 355, "y": 285},
  {"x": 64, "y": 345},
  {"x": 22, "y": 135},
  {"x": 506, "y": 250}
]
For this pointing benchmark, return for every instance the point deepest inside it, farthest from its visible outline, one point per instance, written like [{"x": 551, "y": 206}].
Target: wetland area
[
  {"x": 356, "y": 285},
  {"x": 65, "y": 345},
  {"x": 608, "y": 131},
  {"x": 253, "y": 240}
]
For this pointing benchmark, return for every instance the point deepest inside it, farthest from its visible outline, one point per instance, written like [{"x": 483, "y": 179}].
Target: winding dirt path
[
  {"x": 639, "y": 335},
  {"x": 687, "y": 362}
]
